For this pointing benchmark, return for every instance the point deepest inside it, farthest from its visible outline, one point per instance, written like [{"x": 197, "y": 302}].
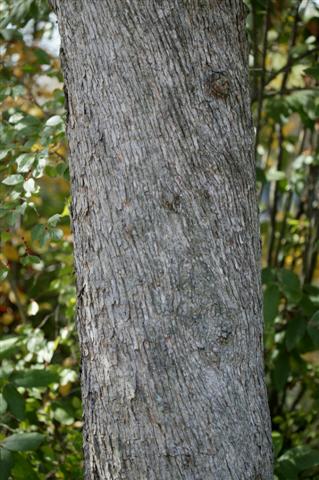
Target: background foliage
[{"x": 40, "y": 407}]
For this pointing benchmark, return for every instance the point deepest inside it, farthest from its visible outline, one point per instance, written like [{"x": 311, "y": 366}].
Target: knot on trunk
[{"x": 216, "y": 84}]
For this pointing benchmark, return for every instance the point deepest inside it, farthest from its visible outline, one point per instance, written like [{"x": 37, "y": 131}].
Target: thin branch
[
  {"x": 255, "y": 49},
  {"x": 297, "y": 399},
  {"x": 274, "y": 209},
  {"x": 17, "y": 301},
  {"x": 265, "y": 163},
  {"x": 263, "y": 75},
  {"x": 311, "y": 250},
  {"x": 292, "y": 44},
  {"x": 291, "y": 90},
  {"x": 288, "y": 206},
  {"x": 290, "y": 63}
]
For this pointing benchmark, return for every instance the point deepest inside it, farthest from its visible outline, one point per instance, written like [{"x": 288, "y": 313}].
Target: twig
[
  {"x": 288, "y": 206},
  {"x": 311, "y": 251},
  {"x": 17, "y": 301},
  {"x": 298, "y": 398},
  {"x": 276, "y": 199},
  {"x": 263, "y": 166},
  {"x": 290, "y": 63},
  {"x": 290, "y": 90},
  {"x": 255, "y": 49},
  {"x": 263, "y": 75},
  {"x": 281, "y": 140}
]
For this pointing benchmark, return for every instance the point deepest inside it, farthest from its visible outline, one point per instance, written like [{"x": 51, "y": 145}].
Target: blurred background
[{"x": 40, "y": 405}]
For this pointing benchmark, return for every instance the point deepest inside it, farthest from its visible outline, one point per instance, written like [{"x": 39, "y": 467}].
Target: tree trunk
[{"x": 166, "y": 239}]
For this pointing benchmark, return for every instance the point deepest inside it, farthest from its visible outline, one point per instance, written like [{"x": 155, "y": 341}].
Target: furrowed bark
[{"x": 166, "y": 239}]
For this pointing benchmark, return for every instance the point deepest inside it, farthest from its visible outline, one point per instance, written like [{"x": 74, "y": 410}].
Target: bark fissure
[{"x": 166, "y": 240}]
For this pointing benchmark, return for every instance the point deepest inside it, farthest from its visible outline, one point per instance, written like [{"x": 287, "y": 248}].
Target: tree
[
  {"x": 166, "y": 239},
  {"x": 40, "y": 408}
]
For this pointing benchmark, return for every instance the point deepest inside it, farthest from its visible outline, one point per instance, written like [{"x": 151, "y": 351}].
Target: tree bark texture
[{"x": 166, "y": 239}]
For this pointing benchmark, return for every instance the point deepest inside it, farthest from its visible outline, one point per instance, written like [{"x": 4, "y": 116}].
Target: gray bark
[{"x": 166, "y": 239}]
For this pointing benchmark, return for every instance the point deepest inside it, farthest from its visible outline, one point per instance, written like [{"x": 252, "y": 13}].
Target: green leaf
[
  {"x": 38, "y": 233},
  {"x": 35, "y": 378},
  {"x": 42, "y": 56},
  {"x": 281, "y": 370},
  {"x": 53, "y": 121},
  {"x": 56, "y": 234},
  {"x": 22, "y": 469},
  {"x": 63, "y": 416},
  {"x": 290, "y": 285},
  {"x": 308, "y": 307},
  {"x": 277, "y": 108},
  {"x": 274, "y": 175},
  {"x": 22, "y": 208},
  {"x": 50, "y": 171},
  {"x": 61, "y": 168},
  {"x": 18, "y": 91},
  {"x": 3, "y": 404},
  {"x": 302, "y": 457},
  {"x": 14, "y": 400},
  {"x": 3, "y": 273},
  {"x": 260, "y": 175},
  {"x": 268, "y": 276},
  {"x": 29, "y": 186},
  {"x": 6, "y": 462},
  {"x": 4, "y": 153},
  {"x": 277, "y": 440},
  {"x": 271, "y": 304},
  {"x": 313, "y": 329},
  {"x": 13, "y": 180},
  {"x": 33, "y": 308},
  {"x": 21, "y": 442},
  {"x": 295, "y": 331},
  {"x": 30, "y": 260},
  {"x": 12, "y": 218},
  {"x": 313, "y": 72},
  {"x": 15, "y": 118},
  {"x": 306, "y": 457},
  {"x": 286, "y": 469},
  {"x": 25, "y": 162},
  {"x": 54, "y": 220},
  {"x": 8, "y": 345}
]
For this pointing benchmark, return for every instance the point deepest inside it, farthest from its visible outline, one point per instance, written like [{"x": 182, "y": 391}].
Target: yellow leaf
[
  {"x": 59, "y": 149},
  {"x": 36, "y": 112},
  {"x": 36, "y": 147},
  {"x": 18, "y": 72},
  {"x": 311, "y": 357},
  {"x": 7, "y": 318},
  {"x": 10, "y": 252},
  {"x": 69, "y": 362},
  {"x": 21, "y": 296},
  {"x": 65, "y": 389},
  {"x": 5, "y": 287}
]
